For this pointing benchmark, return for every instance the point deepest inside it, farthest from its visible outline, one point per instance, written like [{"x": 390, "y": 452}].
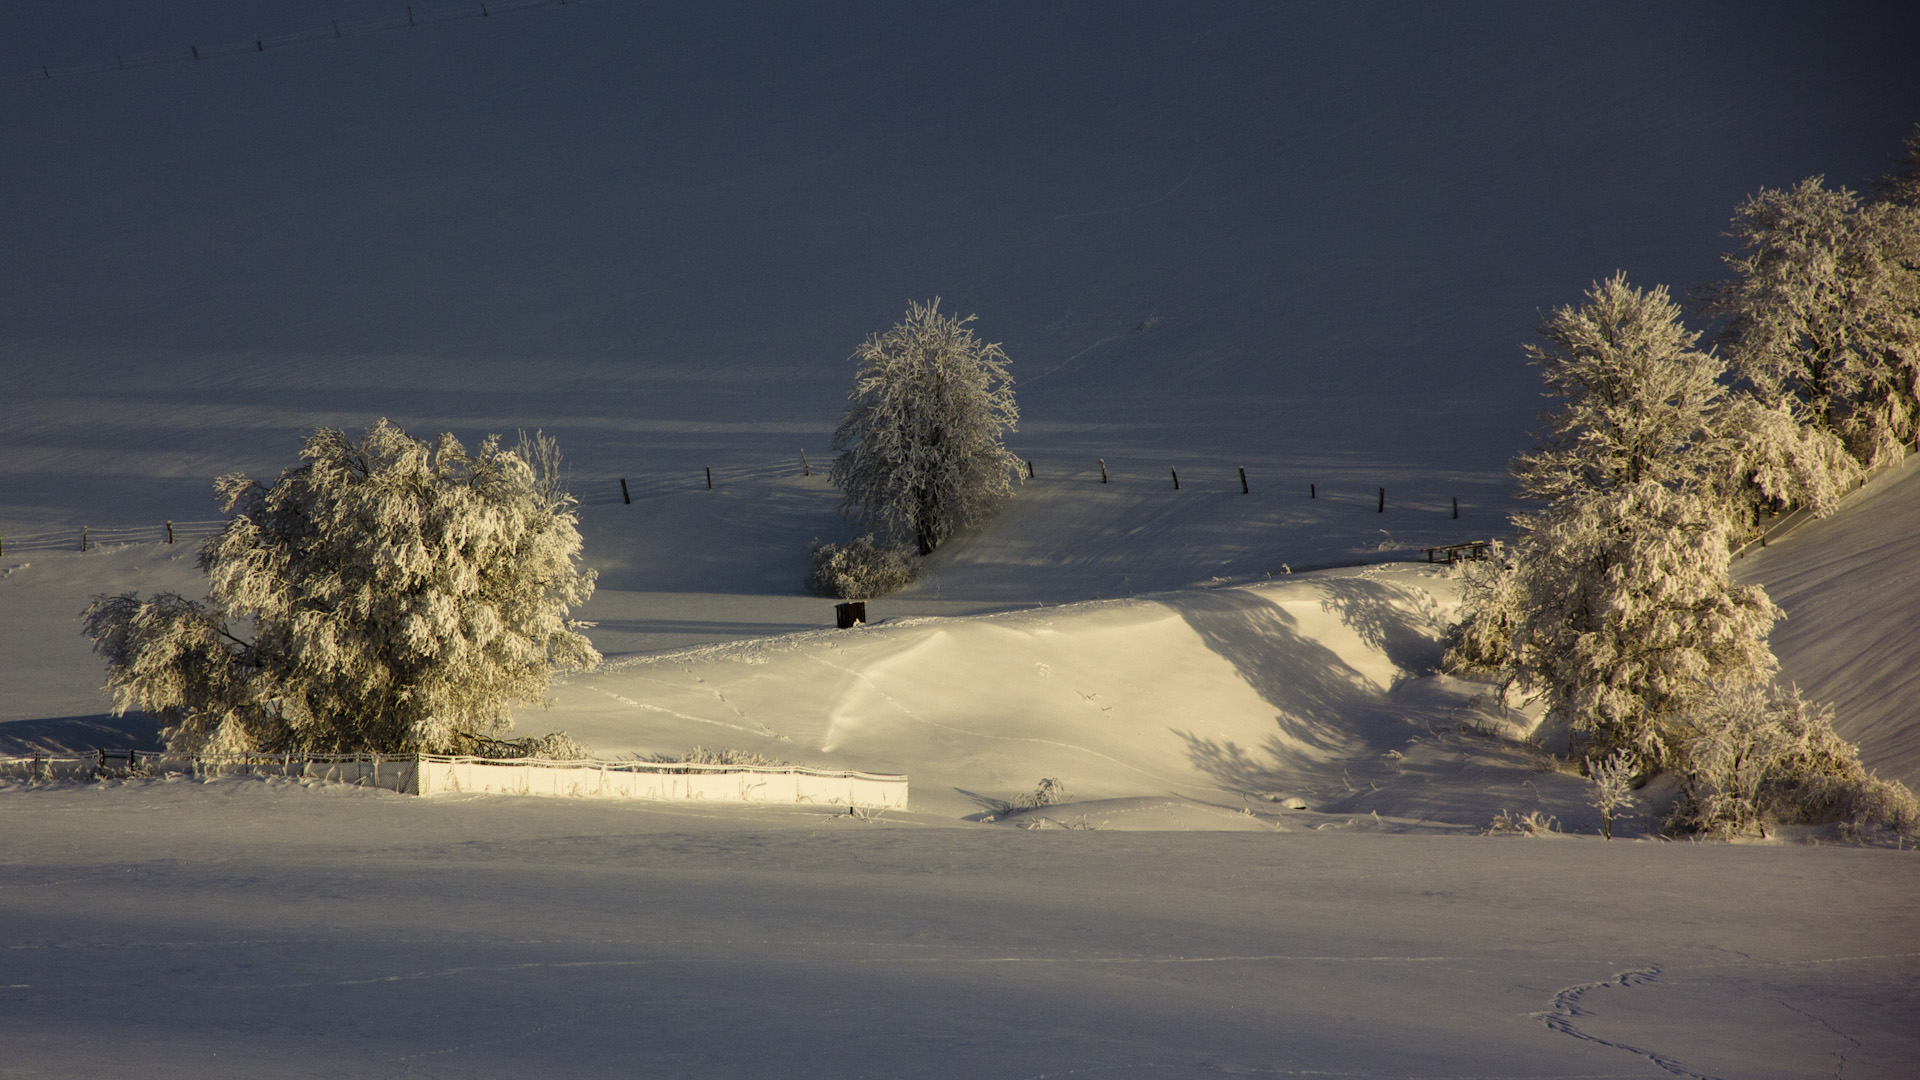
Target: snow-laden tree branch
[{"x": 400, "y": 596}]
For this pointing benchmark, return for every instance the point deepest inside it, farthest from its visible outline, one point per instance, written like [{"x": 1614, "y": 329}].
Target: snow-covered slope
[{"x": 1850, "y": 586}]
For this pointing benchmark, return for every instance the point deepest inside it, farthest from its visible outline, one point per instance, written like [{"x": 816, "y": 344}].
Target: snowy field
[
  {"x": 246, "y": 928},
  {"x": 1267, "y": 236}
]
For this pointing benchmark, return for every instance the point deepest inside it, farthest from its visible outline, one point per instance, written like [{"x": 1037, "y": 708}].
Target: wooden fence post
[
  {"x": 169, "y": 532},
  {"x": 1176, "y": 478},
  {"x": 1243, "y": 480},
  {"x": 1103, "y": 470},
  {"x": 1313, "y": 491},
  {"x": 83, "y": 538},
  {"x": 805, "y": 469},
  {"x": 625, "y": 498},
  {"x": 1383, "y": 500},
  {"x": 1029, "y": 468},
  {"x": 709, "y": 478},
  {"x": 1456, "y": 508}
]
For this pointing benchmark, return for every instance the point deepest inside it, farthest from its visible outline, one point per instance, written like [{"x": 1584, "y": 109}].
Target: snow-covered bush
[
  {"x": 920, "y": 445},
  {"x": 860, "y": 569},
  {"x": 1757, "y": 756},
  {"x": 1480, "y": 645},
  {"x": 388, "y": 595},
  {"x": 1628, "y": 613},
  {"x": 1612, "y": 778},
  {"x": 1531, "y": 823},
  {"x": 1049, "y": 792}
]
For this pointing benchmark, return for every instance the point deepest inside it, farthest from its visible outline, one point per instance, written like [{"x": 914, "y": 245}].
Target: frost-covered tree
[
  {"x": 1637, "y": 398},
  {"x": 1629, "y": 616},
  {"x": 1823, "y": 312},
  {"x": 388, "y": 595},
  {"x": 920, "y": 446}
]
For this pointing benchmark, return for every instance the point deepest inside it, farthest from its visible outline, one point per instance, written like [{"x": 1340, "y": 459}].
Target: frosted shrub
[
  {"x": 1050, "y": 792},
  {"x": 1531, "y": 823},
  {"x": 388, "y": 595},
  {"x": 1480, "y": 645},
  {"x": 920, "y": 445},
  {"x": 860, "y": 569},
  {"x": 1754, "y": 757},
  {"x": 1612, "y": 778}
]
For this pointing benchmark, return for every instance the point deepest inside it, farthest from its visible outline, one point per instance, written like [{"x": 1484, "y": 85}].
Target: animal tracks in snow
[{"x": 1699, "y": 1010}]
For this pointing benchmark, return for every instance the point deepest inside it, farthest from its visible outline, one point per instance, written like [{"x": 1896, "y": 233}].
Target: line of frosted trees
[{"x": 1615, "y": 604}]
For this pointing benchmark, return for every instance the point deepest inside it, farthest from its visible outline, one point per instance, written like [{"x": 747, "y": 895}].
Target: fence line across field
[
  {"x": 603, "y": 489},
  {"x": 86, "y": 538}
]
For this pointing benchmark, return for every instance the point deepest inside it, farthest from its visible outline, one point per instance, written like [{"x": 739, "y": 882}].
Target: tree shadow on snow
[
  {"x": 1401, "y": 622},
  {"x": 1326, "y": 708}
]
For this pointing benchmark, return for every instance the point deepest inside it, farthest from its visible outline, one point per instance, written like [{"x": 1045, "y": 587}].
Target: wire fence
[
  {"x": 762, "y": 472},
  {"x": 404, "y": 18},
  {"x": 85, "y": 538}
]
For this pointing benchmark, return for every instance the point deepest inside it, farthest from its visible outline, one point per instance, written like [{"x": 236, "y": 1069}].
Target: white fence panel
[{"x": 440, "y": 775}]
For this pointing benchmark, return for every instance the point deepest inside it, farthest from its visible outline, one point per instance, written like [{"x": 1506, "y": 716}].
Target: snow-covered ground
[
  {"x": 252, "y": 928},
  {"x": 1294, "y": 240}
]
